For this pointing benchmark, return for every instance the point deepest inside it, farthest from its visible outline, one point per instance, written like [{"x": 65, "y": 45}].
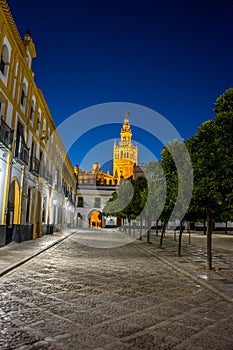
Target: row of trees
[{"x": 206, "y": 170}]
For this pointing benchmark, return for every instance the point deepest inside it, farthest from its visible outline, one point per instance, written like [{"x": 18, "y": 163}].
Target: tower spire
[{"x": 124, "y": 154}]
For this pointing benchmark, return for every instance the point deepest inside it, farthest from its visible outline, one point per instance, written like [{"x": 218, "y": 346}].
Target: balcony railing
[
  {"x": 49, "y": 178},
  {"x": 45, "y": 174},
  {"x": 35, "y": 166},
  {"x": 70, "y": 196},
  {"x": 22, "y": 153},
  {"x": 6, "y": 134}
]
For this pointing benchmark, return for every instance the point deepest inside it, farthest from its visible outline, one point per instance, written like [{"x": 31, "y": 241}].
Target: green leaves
[{"x": 224, "y": 103}]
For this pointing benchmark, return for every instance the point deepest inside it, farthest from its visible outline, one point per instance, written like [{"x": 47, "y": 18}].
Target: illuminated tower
[{"x": 125, "y": 155}]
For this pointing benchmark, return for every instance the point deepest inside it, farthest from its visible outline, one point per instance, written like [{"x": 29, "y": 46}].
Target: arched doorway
[
  {"x": 14, "y": 201},
  {"x": 95, "y": 219},
  {"x": 13, "y": 210}
]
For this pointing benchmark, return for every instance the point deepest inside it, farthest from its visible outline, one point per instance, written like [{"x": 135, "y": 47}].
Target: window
[
  {"x": 43, "y": 217},
  {"x": 97, "y": 202},
  {"x": 4, "y": 60},
  {"x": 23, "y": 95},
  {"x": 80, "y": 201},
  {"x": 44, "y": 131},
  {"x": 32, "y": 153},
  {"x": 32, "y": 110},
  {"x": 2, "y": 108},
  {"x": 21, "y": 150},
  {"x": 38, "y": 121}
]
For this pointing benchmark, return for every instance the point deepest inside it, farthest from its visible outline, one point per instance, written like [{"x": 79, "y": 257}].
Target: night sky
[{"x": 175, "y": 57}]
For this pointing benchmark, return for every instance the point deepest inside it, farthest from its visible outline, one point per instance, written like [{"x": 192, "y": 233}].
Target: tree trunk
[
  {"x": 180, "y": 238},
  {"x": 226, "y": 228},
  {"x": 148, "y": 232},
  {"x": 157, "y": 228},
  {"x": 162, "y": 235},
  {"x": 148, "y": 235},
  {"x": 209, "y": 240}
]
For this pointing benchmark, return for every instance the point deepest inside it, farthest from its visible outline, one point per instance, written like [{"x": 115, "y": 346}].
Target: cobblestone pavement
[
  {"x": 73, "y": 296},
  {"x": 194, "y": 259}
]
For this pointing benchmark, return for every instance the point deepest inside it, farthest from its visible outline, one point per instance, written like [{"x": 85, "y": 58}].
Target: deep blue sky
[{"x": 175, "y": 57}]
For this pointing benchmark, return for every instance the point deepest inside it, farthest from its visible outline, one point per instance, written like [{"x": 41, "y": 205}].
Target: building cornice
[{"x": 14, "y": 30}]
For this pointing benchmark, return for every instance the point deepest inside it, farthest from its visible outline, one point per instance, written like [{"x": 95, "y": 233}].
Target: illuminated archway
[{"x": 95, "y": 219}]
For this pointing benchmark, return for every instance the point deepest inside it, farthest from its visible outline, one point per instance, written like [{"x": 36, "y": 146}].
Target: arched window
[{"x": 4, "y": 60}]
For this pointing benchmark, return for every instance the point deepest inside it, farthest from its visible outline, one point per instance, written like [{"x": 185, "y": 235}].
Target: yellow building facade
[
  {"x": 37, "y": 183},
  {"x": 125, "y": 154},
  {"x": 94, "y": 177}
]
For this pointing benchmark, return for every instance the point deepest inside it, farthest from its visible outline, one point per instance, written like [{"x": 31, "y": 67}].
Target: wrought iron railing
[
  {"x": 6, "y": 134},
  {"x": 49, "y": 178},
  {"x": 22, "y": 153},
  {"x": 35, "y": 166},
  {"x": 45, "y": 174}
]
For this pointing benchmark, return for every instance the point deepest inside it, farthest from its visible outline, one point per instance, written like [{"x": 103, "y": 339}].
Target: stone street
[{"x": 76, "y": 296}]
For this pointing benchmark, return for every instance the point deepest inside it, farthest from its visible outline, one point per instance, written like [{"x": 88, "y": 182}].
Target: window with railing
[
  {"x": 21, "y": 149},
  {"x": 6, "y": 134},
  {"x": 38, "y": 121},
  {"x": 44, "y": 171},
  {"x": 23, "y": 95},
  {"x": 49, "y": 177},
  {"x": 35, "y": 165},
  {"x": 32, "y": 112}
]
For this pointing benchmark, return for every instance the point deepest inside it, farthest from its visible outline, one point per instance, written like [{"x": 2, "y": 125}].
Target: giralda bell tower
[{"x": 125, "y": 155}]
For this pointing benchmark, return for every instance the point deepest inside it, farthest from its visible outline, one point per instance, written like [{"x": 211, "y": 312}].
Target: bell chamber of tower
[{"x": 125, "y": 154}]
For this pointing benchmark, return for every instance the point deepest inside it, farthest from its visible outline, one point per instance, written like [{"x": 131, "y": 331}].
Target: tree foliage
[{"x": 211, "y": 152}]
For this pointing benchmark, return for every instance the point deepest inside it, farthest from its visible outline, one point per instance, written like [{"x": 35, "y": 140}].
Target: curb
[{"x": 23, "y": 261}]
